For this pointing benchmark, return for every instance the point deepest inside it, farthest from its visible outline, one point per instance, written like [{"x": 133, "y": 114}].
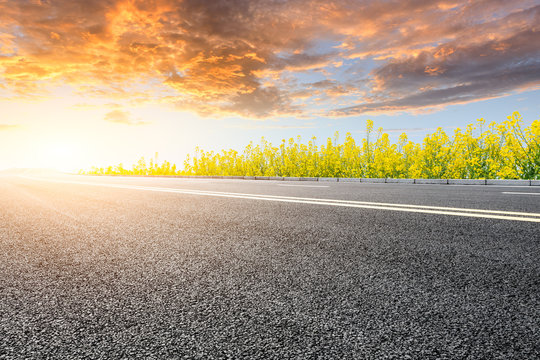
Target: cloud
[
  {"x": 252, "y": 58},
  {"x": 322, "y": 84},
  {"x": 262, "y": 102},
  {"x": 5, "y": 127},
  {"x": 122, "y": 117},
  {"x": 463, "y": 86},
  {"x": 408, "y": 130},
  {"x": 270, "y": 126},
  {"x": 458, "y": 71},
  {"x": 87, "y": 106}
]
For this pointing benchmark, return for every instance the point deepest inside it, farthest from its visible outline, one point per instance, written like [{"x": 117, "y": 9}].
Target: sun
[{"x": 62, "y": 155}]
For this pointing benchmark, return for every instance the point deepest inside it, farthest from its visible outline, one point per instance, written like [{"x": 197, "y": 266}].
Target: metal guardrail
[{"x": 357, "y": 180}]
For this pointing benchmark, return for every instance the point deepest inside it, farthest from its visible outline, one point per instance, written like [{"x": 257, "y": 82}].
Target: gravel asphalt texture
[{"x": 104, "y": 273}]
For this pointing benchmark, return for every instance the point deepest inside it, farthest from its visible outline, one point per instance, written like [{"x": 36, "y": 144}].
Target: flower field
[{"x": 505, "y": 150}]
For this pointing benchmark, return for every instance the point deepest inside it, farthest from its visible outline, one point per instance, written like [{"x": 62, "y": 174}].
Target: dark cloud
[
  {"x": 480, "y": 89},
  {"x": 456, "y": 72},
  {"x": 323, "y": 84},
  {"x": 262, "y": 102},
  {"x": 227, "y": 57}
]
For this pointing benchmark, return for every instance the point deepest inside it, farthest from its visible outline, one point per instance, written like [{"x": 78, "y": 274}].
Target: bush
[{"x": 500, "y": 151}]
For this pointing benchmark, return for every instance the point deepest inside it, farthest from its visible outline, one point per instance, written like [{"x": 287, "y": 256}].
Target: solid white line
[
  {"x": 372, "y": 203},
  {"x": 313, "y": 186},
  {"x": 519, "y": 193},
  {"x": 478, "y": 213}
]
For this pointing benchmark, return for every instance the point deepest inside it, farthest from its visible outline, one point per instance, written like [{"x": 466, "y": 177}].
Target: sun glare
[{"x": 59, "y": 155}]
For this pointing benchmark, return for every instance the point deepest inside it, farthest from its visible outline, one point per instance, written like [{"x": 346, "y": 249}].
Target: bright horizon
[{"x": 95, "y": 83}]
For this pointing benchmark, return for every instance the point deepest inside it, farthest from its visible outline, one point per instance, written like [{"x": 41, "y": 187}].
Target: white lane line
[
  {"x": 519, "y": 193},
  {"x": 478, "y": 213},
  {"x": 370, "y": 203},
  {"x": 313, "y": 186}
]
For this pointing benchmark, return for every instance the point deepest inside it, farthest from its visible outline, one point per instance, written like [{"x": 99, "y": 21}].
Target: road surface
[{"x": 112, "y": 267}]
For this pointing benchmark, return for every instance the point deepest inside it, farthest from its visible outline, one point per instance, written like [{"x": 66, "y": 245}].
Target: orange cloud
[
  {"x": 241, "y": 57},
  {"x": 122, "y": 117},
  {"x": 5, "y": 127}
]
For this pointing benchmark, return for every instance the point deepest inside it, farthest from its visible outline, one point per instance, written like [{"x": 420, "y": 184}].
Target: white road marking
[
  {"x": 313, "y": 186},
  {"x": 478, "y": 213},
  {"x": 519, "y": 193}
]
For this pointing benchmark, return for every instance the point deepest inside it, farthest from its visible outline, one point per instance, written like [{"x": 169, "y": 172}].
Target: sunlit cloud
[
  {"x": 87, "y": 106},
  {"x": 251, "y": 59},
  {"x": 6, "y": 127},
  {"x": 271, "y": 125},
  {"x": 408, "y": 130},
  {"x": 123, "y": 117}
]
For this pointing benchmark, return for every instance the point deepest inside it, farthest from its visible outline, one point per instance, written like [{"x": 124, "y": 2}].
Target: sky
[{"x": 99, "y": 82}]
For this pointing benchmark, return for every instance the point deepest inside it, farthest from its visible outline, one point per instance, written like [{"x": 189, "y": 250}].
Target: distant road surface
[{"x": 158, "y": 268}]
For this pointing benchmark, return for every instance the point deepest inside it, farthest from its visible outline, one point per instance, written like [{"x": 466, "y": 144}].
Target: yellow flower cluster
[{"x": 497, "y": 151}]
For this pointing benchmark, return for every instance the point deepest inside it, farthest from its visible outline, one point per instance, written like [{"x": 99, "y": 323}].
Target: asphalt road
[{"x": 99, "y": 267}]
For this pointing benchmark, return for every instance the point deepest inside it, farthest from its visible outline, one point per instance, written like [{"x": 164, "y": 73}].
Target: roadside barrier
[{"x": 499, "y": 182}]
